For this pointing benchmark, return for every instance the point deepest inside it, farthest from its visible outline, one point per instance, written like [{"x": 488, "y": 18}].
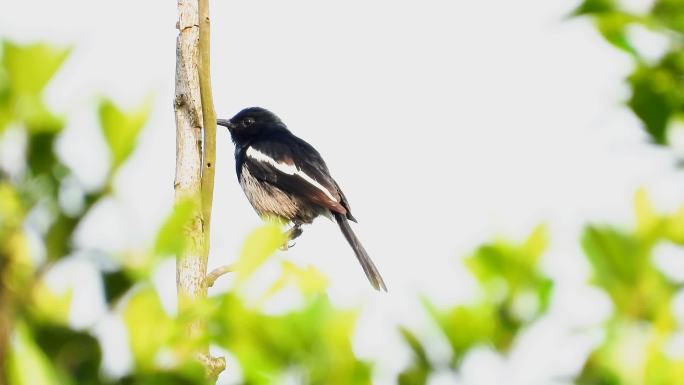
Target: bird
[{"x": 285, "y": 178}]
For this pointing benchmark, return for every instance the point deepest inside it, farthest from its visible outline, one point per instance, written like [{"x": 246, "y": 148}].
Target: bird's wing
[{"x": 295, "y": 167}]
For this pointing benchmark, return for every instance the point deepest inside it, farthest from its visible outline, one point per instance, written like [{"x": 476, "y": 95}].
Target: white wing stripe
[{"x": 288, "y": 169}]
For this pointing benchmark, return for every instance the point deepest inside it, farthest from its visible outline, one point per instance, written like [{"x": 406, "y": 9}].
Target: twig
[{"x": 217, "y": 273}]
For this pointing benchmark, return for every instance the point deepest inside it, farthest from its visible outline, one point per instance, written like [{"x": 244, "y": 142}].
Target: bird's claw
[
  {"x": 293, "y": 233},
  {"x": 287, "y": 245}
]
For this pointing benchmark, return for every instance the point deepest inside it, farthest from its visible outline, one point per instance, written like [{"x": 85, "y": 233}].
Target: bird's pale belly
[{"x": 269, "y": 200}]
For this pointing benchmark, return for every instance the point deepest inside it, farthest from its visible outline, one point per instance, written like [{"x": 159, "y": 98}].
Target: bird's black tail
[{"x": 368, "y": 267}]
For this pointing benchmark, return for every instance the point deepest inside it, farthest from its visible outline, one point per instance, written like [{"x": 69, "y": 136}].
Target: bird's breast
[{"x": 269, "y": 200}]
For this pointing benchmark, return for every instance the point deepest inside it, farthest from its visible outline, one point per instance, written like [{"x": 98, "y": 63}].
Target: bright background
[{"x": 446, "y": 123}]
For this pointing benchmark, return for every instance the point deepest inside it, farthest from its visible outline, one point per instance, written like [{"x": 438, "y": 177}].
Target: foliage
[
  {"x": 311, "y": 343},
  {"x": 515, "y": 292},
  {"x": 657, "y": 84},
  {"x": 45, "y": 349},
  {"x": 642, "y": 323}
]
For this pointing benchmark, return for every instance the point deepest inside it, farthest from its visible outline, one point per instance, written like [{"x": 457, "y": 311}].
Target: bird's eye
[{"x": 248, "y": 122}]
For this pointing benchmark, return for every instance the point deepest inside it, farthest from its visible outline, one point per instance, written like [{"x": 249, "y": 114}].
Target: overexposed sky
[{"x": 446, "y": 123}]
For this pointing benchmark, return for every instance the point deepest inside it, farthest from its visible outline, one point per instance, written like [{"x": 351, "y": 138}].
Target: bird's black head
[{"x": 251, "y": 123}]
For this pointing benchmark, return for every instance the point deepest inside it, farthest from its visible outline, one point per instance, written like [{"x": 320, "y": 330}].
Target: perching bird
[{"x": 285, "y": 177}]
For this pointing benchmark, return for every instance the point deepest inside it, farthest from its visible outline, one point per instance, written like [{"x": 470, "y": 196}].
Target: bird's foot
[
  {"x": 292, "y": 234},
  {"x": 287, "y": 245}
]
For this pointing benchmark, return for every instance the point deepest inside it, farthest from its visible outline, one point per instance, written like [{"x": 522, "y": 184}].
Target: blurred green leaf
[
  {"x": 622, "y": 266},
  {"x": 26, "y": 70},
  {"x": 416, "y": 347},
  {"x": 309, "y": 280},
  {"x": 121, "y": 128},
  {"x": 413, "y": 375},
  {"x": 11, "y": 210},
  {"x": 314, "y": 342},
  {"x": 72, "y": 352},
  {"x": 171, "y": 239},
  {"x": 506, "y": 270},
  {"x": 536, "y": 244},
  {"x": 662, "y": 368},
  {"x": 516, "y": 292},
  {"x": 58, "y": 238},
  {"x": 674, "y": 227},
  {"x": 647, "y": 219},
  {"x": 5, "y": 98},
  {"x": 257, "y": 247},
  {"x": 613, "y": 27},
  {"x": 49, "y": 305},
  {"x": 116, "y": 284},
  {"x": 590, "y": 7},
  {"x": 469, "y": 326},
  {"x": 631, "y": 354},
  {"x": 165, "y": 377},
  {"x": 42, "y": 159},
  {"x": 657, "y": 88},
  {"x": 671, "y": 13},
  {"x": 30, "y": 67},
  {"x": 419, "y": 371},
  {"x": 27, "y": 364},
  {"x": 149, "y": 327},
  {"x": 16, "y": 259},
  {"x": 651, "y": 101},
  {"x": 37, "y": 117}
]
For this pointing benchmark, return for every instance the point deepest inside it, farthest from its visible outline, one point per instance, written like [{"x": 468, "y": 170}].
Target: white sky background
[{"x": 447, "y": 123}]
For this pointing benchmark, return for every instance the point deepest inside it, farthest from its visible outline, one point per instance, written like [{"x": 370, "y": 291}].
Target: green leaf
[
  {"x": 5, "y": 99},
  {"x": 466, "y": 327},
  {"x": 623, "y": 267},
  {"x": 259, "y": 245},
  {"x": 536, "y": 244},
  {"x": 414, "y": 375},
  {"x": 674, "y": 227},
  {"x": 309, "y": 280},
  {"x": 613, "y": 27},
  {"x": 30, "y": 67},
  {"x": 592, "y": 7},
  {"x": 121, "y": 128},
  {"x": 49, "y": 305},
  {"x": 506, "y": 270},
  {"x": 670, "y": 13},
  {"x": 171, "y": 238},
  {"x": 11, "y": 210},
  {"x": 116, "y": 283},
  {"x": 149, "y": 327},
  {"x": 313, "y": 341},
  {"x": 72, "y": 352},
  {"x": 651, "y": 101},
  {"x": 27, "y": 364},
  {"x": 36, "y": 116},
  {"x": 25, "y": 70},
  {"x": 416, "y": 347},
  {"x": 648, "y": 220}
]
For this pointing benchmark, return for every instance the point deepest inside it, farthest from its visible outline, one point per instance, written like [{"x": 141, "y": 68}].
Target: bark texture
[{"x": 191, "y": 264}]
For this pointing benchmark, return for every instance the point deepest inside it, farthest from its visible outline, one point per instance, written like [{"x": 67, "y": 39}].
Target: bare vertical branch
[{"x": 191, "y": 265}]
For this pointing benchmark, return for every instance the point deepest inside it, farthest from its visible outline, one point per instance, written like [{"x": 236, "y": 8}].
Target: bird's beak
[{"x": 225, "y": 123}]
